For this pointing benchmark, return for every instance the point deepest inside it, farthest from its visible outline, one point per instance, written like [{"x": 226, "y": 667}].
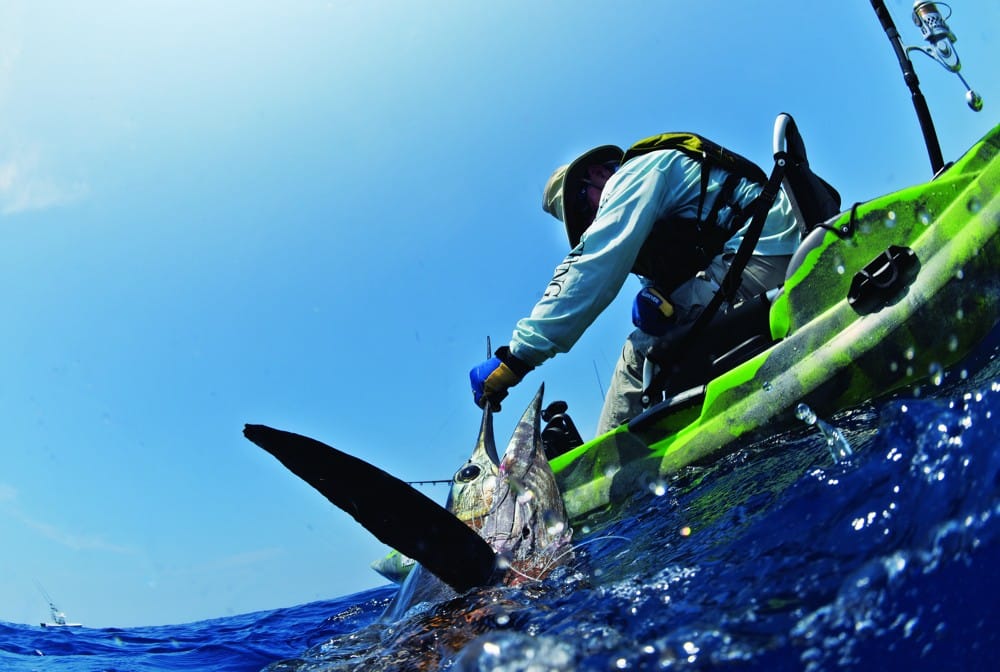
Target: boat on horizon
[{"x": 58, "y": 616}]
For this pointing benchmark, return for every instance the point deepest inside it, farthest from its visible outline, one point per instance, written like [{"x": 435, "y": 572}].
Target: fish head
[
  {"x": 474, "y": 484},
  {"x": 527, "y": 525}
]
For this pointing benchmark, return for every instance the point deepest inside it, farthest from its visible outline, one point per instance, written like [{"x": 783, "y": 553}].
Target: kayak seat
[
  {"x": 813, "y": 199},
  {"x": 731, "y": 338},
  {"x": 744, "y": 331}
]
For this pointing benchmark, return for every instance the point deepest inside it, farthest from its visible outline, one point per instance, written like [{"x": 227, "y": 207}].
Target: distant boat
[{"x": 58, "y": 617}]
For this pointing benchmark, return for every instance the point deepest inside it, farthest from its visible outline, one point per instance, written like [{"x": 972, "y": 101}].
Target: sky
[{"x": 312, "y": 215}]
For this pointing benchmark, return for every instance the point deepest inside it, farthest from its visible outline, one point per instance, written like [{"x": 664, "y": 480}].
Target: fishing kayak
[
  {"x": 897, "y": 295},
  {"x": 891, "y": 294}
]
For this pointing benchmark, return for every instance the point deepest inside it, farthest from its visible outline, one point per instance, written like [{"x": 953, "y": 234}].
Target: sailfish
[{"x": 506, "y": 528}]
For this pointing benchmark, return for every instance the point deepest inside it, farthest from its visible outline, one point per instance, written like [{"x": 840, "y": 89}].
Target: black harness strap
[
  {"x": 724, "y": 198},
  {"x": 705, "y": 170},
  {"x": 760, "y": 206}
]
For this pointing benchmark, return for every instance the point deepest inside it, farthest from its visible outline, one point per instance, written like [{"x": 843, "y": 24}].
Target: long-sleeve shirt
[{"x": 647, "y": 189}]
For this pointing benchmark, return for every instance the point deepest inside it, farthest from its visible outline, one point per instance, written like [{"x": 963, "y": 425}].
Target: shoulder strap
[
  {"x": 700, "y": 149},
  {"x": 710, "y": 155}
]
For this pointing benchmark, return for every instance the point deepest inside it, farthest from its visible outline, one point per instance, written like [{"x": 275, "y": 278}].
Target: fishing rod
[{"x": 935, "y": 30}]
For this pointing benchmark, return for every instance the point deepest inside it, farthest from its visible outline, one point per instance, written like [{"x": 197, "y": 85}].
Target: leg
[{"x": 623, "y": 400}]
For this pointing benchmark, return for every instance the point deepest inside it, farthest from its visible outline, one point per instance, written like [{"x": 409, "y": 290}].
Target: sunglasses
[
  {"x": 582, "y": 195},
  {"x": 582, "y": 200}
]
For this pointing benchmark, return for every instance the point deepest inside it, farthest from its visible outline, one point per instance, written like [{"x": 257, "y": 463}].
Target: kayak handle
[{"x": 884, "y": 280}]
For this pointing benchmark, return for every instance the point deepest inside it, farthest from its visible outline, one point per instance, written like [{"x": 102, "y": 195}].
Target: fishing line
[
  {"x": 559, "y": 557},
  {"x": 582, "y": 543},
  {"x": 597, "y": 373}
]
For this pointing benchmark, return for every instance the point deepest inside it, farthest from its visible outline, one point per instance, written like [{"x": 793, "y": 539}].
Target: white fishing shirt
[{"x": 648, "y": 188}]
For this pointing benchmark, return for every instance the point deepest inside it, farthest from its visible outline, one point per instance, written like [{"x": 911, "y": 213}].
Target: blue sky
[{"x": 311, "y": 215}]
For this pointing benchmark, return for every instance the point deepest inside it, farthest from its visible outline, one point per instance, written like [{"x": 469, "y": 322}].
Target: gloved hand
[
  {"x": 651, "y": 312},
  {"x": 491, "y": 379}
]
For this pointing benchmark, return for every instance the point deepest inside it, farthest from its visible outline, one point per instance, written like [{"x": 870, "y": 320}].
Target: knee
[{"x": 634, "y": 352}]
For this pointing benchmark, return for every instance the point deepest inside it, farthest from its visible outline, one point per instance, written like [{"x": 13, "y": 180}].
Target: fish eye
[{"x": 468, "y": 473}]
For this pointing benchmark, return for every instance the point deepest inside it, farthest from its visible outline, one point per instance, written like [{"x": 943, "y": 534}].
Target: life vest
[{"x": 678, "y": 248}]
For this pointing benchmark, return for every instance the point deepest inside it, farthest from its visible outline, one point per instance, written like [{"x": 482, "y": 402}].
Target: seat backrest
[{"x": 813, "y": 198}]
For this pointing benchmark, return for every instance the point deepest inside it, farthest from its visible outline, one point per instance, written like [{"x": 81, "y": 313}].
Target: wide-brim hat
[{"x": 567, "y": 180}]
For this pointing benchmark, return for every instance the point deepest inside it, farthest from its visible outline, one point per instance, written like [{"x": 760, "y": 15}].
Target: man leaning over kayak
[{"x": 656, "y": 215}]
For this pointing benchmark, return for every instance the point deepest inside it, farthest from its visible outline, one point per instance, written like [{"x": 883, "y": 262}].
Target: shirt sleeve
[{"x": 593, "y": 273}]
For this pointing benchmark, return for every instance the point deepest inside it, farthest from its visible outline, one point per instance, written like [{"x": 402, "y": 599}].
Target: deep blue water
[{"x": 774, "y": 558}]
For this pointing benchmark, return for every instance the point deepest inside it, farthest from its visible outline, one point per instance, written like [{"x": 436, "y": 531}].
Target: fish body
[
  {"x": 524, "y": 519},
  {"x": 527, "y": 526}
]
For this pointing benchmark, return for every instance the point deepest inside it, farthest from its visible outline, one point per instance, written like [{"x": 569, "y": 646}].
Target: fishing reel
[{"x": 935, "y": 30}]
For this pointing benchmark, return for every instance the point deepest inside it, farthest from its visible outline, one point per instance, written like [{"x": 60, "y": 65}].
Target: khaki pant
[{"x": 624, "y": 398}]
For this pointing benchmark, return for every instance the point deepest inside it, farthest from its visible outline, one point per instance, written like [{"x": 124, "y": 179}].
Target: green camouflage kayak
[{"x": 890, "y": 294}]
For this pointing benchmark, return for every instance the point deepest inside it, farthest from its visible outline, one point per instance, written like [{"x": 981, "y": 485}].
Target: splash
[{"x": 839, "y": 448}]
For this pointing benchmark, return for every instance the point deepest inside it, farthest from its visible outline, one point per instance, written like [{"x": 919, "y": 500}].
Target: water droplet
[
  {"x": 840, "y": 269},
  {"x": 924, "y": 216},
  {"x": 658, "y": 488},
  {"x": 910, "y": 353},
  {"x": 894, "y": 366},
  {"x": 502, "y": 619},
  {"x": 952, "y": 343},
  {"x": 767, "y": 386},
  {"x": 890, "y": 219},
  {"x": 835, "y": 441},
  {"x": 960, "y": 274},
  {"x": 959, "y": 314},
  {"x": 805, "y": 414},
  {"x": 937, "y": 374},
  {"x": 554, "y": 524},
  {"x": 974, "y": 205}
]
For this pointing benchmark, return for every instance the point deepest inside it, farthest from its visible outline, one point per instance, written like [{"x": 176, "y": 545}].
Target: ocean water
[{"x": 777, "y": 557}]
